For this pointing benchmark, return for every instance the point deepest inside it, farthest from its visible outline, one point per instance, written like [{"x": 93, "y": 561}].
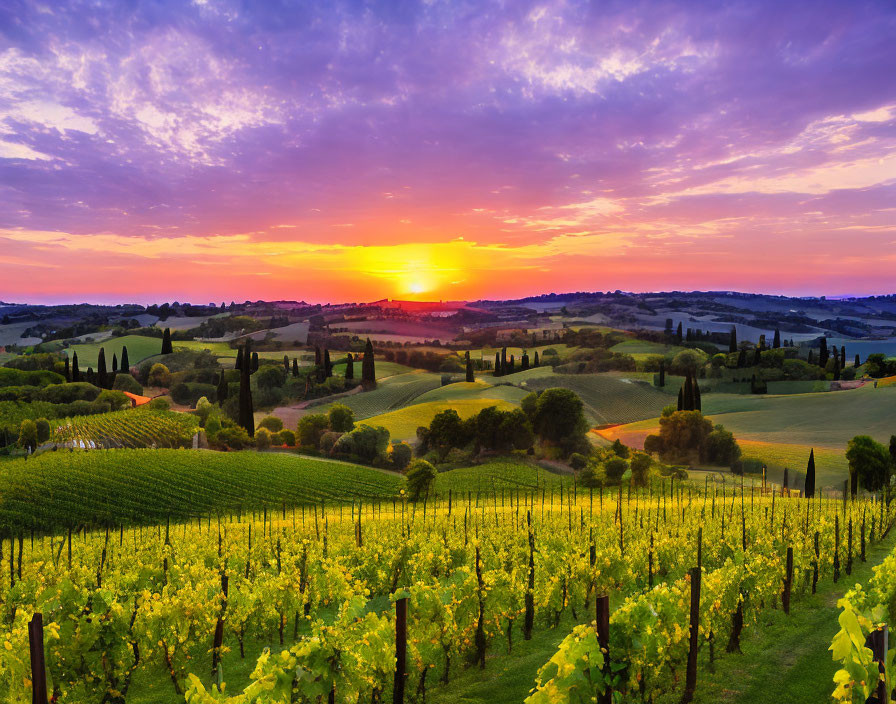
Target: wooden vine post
[
  {"x": 38, "y": 664},
  {"x": 788, "y": 582},
  {"x": 603, "y": 638},
  {"x": 401, "y": 650},
  {"x": 877, "y": 640},
  {"x": 690, "y": 685}
]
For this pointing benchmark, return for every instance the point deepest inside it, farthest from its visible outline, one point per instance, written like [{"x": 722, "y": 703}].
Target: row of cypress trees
[
  {"x": 689, "y": 394},
  {"x": 504, "y": 366},
  {"x": 104, "y": 379}
]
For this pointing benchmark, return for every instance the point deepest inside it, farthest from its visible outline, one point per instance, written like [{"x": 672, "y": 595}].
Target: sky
[{"x": 349, "y": 151}]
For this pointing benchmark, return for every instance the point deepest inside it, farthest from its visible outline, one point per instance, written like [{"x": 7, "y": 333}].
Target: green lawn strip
[{"x": 785, "y": 658}]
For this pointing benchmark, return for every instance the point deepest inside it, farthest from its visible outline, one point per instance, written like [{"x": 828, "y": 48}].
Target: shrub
[
  {"x": 125, "y": 382},
  {"x": 615, "y": 468},
  {"x": 115, "y": 399},
  {"x": 310, "y": 429},
  {"x": 212, "y": 426},
  {"x": 328, "y": 441},
  {"x": 233, "y": 438},
  {"x": 159, "y": 404},
  {"x": 263, "y": 439},
  {"x": 159, "y": 375},
  {"x": 578, "y": 461},
  {"x": 288, "y": 438},
  {"x": 619, "y": 449},
  {"x": 272, "y": 423},
  {"x": 28, "y": 435},
  {"x": 365, "y": 443},
  {"x": 341, "y": 418},
  {"x": 421, "y": 475},
  {"x": 43, "y": 429}
]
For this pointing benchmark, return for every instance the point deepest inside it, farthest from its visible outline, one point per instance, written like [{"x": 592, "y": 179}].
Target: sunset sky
[{"x": 333, "y": 151}]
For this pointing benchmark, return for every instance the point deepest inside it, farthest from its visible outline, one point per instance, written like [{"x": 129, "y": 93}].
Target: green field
[
  {"x": 609, "y": 398},
  {"x": 391, "y": 393},
  {"x": 462, "y": 391},
  {"x": 498, "y": 475},
  {"x": 642, "y": 349},
  {"x": 139, "y": 348},
  {"x": 143, "y": 486},
  {"x": 402, "y": 424}
]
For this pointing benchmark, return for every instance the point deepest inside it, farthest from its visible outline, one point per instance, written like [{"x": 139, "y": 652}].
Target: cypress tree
[
  {"x": 368, "y": 369},
  {"x": 254, "y": 363},
  {"x": 811, "y": 358},
  {"x": 286, "y": 363},
  {"x": 328, "y": 366},
  {"x": 786, "y": 484},
  {"x": 166, "y": 342},
  {"x": 762, "y": 346},
  {"x": 349, "y": 367},
  {"x": 512, "y": 364},
  {"x": 524, "y": 361},
  {"x": 678, "y": 334},
  {"x": 757, "y": 357},
  {"x": 125, "y": 362},
  {"x": 239, "y": 358},
  {"x": 823, "y": 353},
  {"x": 319, "y": 372},
  {"x": 222, "y": 388},
  {"x": 857, "y": 362},
  {"x": 836, "y": 368},
  {"x": 295, "y": 367},
  {"x": 810, "y": 475},
  {"x": 91, "y": 377},
  {"x": 732, "y": 340},
  {"x": 536, "y": 358},
  {"x": 681, "y": 398},
  {"x": 114, "y": 363},
  {"x": 497, "y": 364},
  {"x": 662, "y": 373},
  {"x": 777, "y": 341},
  {"x": 247, "y": 412},
  {"x": 698, "y": 402},
  {"x": 470, "y": 377},
  {"x": 101, "y": 376},
  {"x": 504, "y": 361},
  {"x": 68, "y": 371},
  {"x": 318, "y": 359},
  {"x": 742, "y": 359},
  {"x": 843, "y": 356},
  {"x": 76, "y": 373}
]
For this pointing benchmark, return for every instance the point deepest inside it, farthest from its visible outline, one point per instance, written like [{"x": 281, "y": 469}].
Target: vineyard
[
  {"x": 175, "y": 611},
  {"x": 132, "y": 428},
  {"x": 60, "y": 489}
]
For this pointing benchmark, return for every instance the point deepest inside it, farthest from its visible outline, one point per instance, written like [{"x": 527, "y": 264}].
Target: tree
[
  {"x": 159, "y": 376},
  {"x": 401, "y": 455},
  {"x": 328, "y": 365},
  {"x": 349, "y": 367},
  {"x": 420, "y": 476},
  {"x": 255, "y": 363},
  {"x": 114, "y": 363},
  {"x": 857, "y": 361},
  {"x": 233, "y": 438},
  {"x": 101, "y": 375},
  {"x": 504, "y": 369},
  {"x": 777, "y": 340},
  {"x": 445, "y": 432},
  {"x": 678, "y": 334},
  {"x": 662, "y": 373},
  {"x": 524, "y": 361},
  {"x": 498, "y": 364},
  {"x": 295, "y": 367},
  {"x": 166, "y": 342},
  {"x": 68, "y": 371},
  {"x": 368, "y": 370},
  {"x": 246, "y": 410},
  {"x": 732, "y": 340},
  {"x": 640, "y": 465},
  {"x": 536, "y": 358},
  {"x": 619, "y": 449},
  {"x": 869, "y": 464},
  {"x": 341, "y": 418},
  {"x": 239, "y": 359},
  {"x": 470, "y": 377},
  {"x": 365, "y": 443},
  {"x": 222, "y": 388},
  {"x": 286, "y": 363},
  {"x": 28, "y": 435},
  {"x": 823, "y": 353},
  {"x": 125, "y": 362},
  {"x": 614, "y": 468},
  {"x": 810, "y": 475},
  {"x": 270, "y": 377},
  {"x": 559, "y": 418}
]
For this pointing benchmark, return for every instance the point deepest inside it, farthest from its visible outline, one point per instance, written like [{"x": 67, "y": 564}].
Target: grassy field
[
  {"x": 402, "y": 424},
  {"x": 139, "y": 347},
  {"x": 392, "y": 393},
  {"x": 642, "y": 349},
  {"x": 609, "y": 398},
  {"x": 502, "y": 474},
  {"x": 488, "y": 353},
  {"x": 463, "y": 390},
  {"x": 142, "y": 486}
]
